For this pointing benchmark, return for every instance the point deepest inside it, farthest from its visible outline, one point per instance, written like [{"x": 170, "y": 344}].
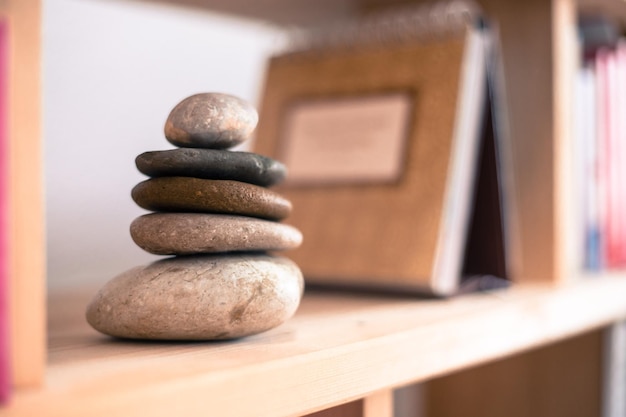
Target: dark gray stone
[
  {"x": 210, "y": 120},
  {"x": 182, "y": 194},
  {"x": 194, "y": 233},
  {"x": 212, "y": 164}
]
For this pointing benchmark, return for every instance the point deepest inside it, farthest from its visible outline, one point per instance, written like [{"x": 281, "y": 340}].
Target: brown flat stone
[
  {"x": 210, "y": 120},
  {"x": 194, "y": 233},
  {"x": 182, "y": 194},
  {"x": 201, "y": 297}
]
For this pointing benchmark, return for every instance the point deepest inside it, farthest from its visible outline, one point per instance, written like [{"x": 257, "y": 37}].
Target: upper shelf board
[{"x": 312, "y": 12}]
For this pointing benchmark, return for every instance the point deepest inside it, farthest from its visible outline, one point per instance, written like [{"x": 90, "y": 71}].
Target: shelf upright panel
[{"x": 26, "y": 209}]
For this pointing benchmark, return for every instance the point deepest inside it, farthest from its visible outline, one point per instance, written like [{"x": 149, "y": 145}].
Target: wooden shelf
[
  {"x": 308, "y": 12},
  {"x": 278, "y": 12},
  {"x": 339, "y": 347}
]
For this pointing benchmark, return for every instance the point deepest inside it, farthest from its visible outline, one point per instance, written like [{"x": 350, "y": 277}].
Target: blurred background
[{"x": 112, "y": 71}]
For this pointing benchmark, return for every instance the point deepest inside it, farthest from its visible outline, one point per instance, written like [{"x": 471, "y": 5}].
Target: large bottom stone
[{"x": 201, "y": 297}]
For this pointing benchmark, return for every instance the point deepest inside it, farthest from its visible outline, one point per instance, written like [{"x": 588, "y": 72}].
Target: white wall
[{"x": 112, "y": 71}]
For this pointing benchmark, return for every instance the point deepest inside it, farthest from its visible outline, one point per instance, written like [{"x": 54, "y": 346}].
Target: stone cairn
[{"x": 213, "y": 211}]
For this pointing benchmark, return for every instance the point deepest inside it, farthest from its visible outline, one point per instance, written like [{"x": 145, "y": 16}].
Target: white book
[{"x": 586, "y": 115}]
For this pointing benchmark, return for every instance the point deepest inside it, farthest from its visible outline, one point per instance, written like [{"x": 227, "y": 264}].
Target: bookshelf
[
  {"x": 346, "y": 351},
  {"x": 26, "y": 216}
]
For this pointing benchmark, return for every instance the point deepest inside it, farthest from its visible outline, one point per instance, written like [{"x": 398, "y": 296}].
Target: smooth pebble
[
  {"x": 212, "y": 164},
  {"x": 198, "y": 298},
  {"x": 194, "y": 233},
  {"x": 210, "y": 120},
  {"x": 183, "y": 194}
]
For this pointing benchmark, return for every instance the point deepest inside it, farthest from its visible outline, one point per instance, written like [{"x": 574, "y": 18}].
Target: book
[
  {"x": 385, "y": 125},
  {"x": 587, "y": 167},
  {"x": 619, "y": 258},
  {"x": 604, "y": 145},
  {"x": 613, "y": 159}
]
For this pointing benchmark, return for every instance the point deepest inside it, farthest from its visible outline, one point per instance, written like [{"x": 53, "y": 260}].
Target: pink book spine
[
  {"x": 620, "y": 94},
  {"x": 5, "y": 368},
  {"x": 613, "y": 152}
]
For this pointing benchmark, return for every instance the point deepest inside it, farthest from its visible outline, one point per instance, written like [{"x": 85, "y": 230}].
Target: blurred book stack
[{"x": 600, "y": 146}]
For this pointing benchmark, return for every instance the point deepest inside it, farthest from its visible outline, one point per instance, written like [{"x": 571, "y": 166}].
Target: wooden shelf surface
[{"x": 338, "y": 347}]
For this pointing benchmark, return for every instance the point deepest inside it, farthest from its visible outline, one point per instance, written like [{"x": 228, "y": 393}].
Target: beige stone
[
  {"x": 201, "y": 297},
  {"x": 210, "y": 120},
  {"x": 194, "y": 233}
]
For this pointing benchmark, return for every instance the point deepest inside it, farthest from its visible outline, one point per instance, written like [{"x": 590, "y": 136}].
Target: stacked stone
[{"x": 213, "y": 210}]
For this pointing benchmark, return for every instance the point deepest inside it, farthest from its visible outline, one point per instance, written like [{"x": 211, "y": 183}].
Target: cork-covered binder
[{"x": 380, "y": 123}]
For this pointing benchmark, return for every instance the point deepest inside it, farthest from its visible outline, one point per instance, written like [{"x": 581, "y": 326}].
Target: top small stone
[{"x": 210, "y": 120}]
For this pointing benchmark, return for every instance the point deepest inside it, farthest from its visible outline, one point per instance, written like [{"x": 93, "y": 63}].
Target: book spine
[
  {"x": 602, "y": 149},
  {"x": 613, "y": 162},
  {"x": 589, "y": 195},
  {"x": 620, "y": 94}
]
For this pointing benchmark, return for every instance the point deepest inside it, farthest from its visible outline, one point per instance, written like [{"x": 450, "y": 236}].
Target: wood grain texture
[
  {"x": 563, "y": 379},
  {"x": 338, "y": 348},
  {"x": 27, "y": 244}
]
